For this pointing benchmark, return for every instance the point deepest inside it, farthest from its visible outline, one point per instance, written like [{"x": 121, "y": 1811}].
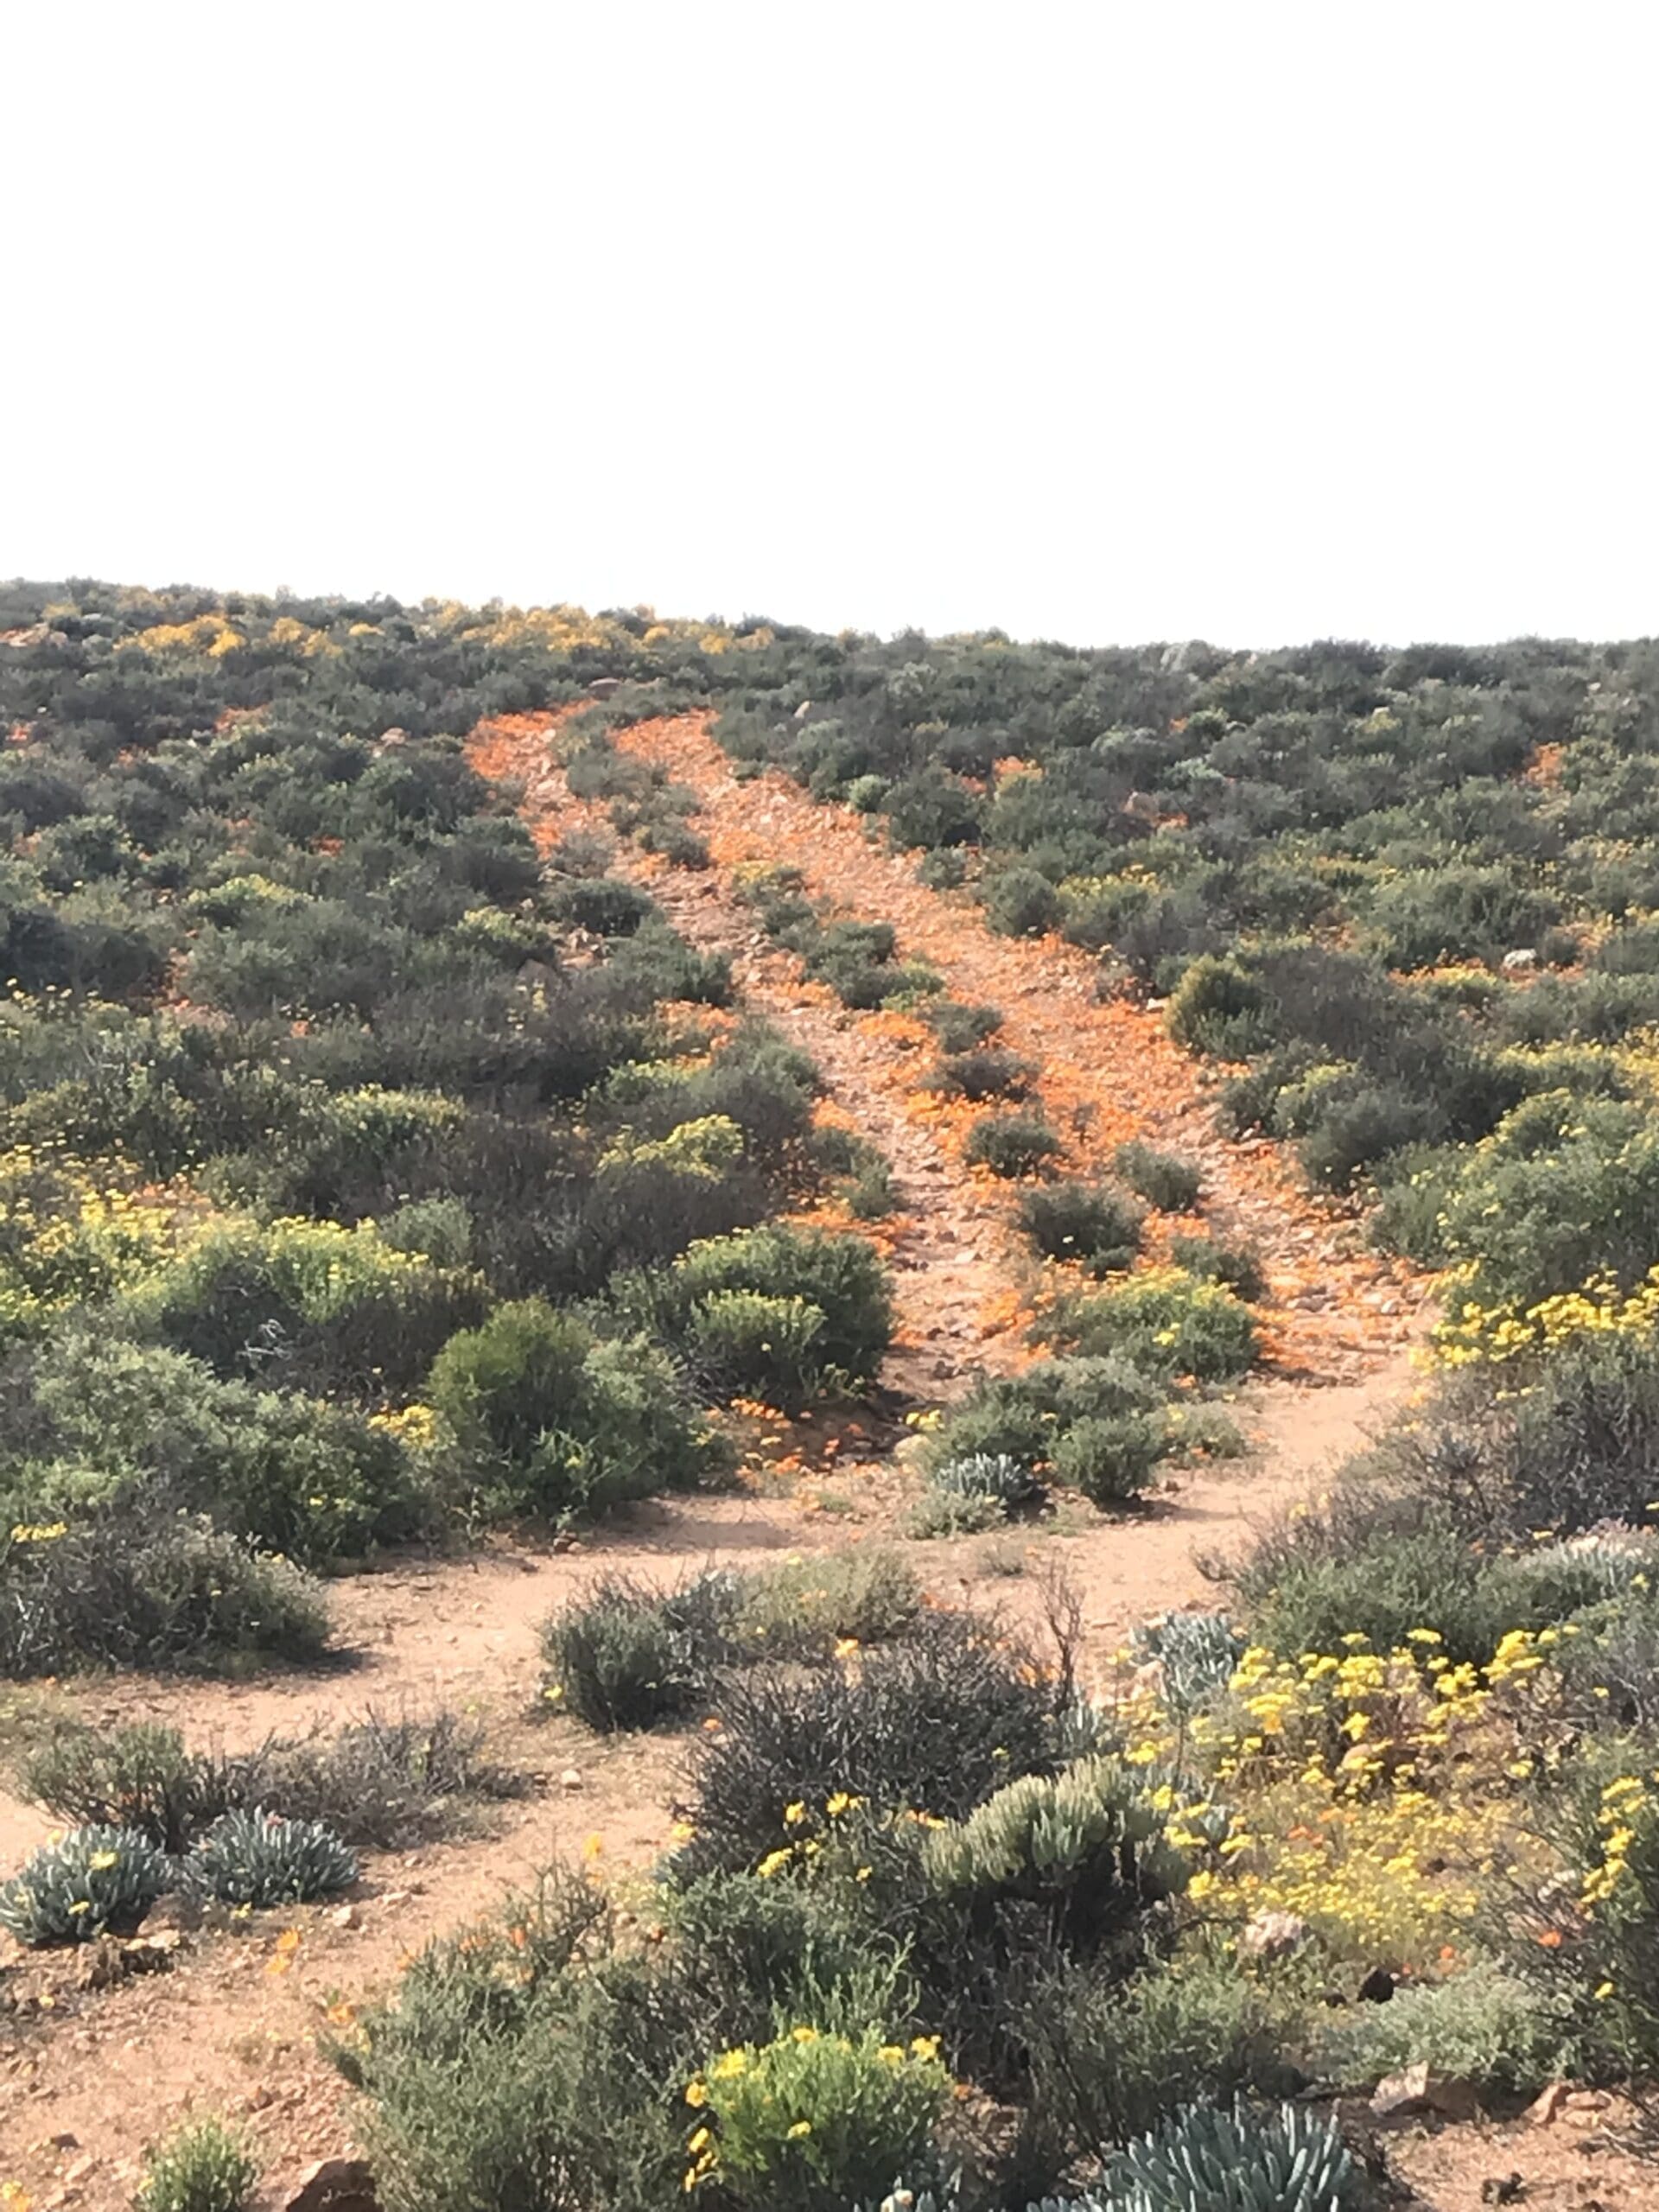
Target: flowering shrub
[{"x": 813, "y": 2119}]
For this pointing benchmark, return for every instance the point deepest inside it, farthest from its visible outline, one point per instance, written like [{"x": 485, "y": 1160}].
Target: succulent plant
[
  {"x": 91, "y": 1879},
  {"x": 1234, "y": 2159},
  {"x": 997, "y": 1475},
  {"x": 1198, "y": 1653},
  {"x": 256, "y": 1858}
]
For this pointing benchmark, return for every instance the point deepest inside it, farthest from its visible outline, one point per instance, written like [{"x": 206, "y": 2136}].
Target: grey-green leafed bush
[
  {"x": 1090, "y": 1224},
  {"x": 1011, "y": 1145},
  {"x": 131, "y": 1588},
  {"x": 626, "y": 1656},
  {"x": 1210, "y": 2158},
  {"x": 1164, "y": 1180},
  {"x": 258, "y": 1859},
  {"x": 91, "y": 1879},
  {"x": 202, "y": 2167},
  {"x": 1484, "y": 2026},
  {"x": 386, "y": 1781}
]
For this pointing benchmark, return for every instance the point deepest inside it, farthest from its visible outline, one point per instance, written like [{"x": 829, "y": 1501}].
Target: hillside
[{"x": 969, "y": 1326}]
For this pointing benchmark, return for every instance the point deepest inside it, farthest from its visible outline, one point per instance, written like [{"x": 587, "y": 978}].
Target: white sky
[{"x": 1257, "y": 321}]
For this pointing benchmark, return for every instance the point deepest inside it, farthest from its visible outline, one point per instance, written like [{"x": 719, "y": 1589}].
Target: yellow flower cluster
[
  {"x": 1625, "y": 1803},
  {"x": 1492, "y": 1334}
]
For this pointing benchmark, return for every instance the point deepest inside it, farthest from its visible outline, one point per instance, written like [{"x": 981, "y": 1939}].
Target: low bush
[
  {"x": 564, "y": 1423},
  {"x": 91, "y": 1880},
  {"x": 387, "y": 1783},
  {"x": 931, "y": 1724},
  {"x": 1109, "y": 1457},
  {"x": 804, "y": 1608},
  {"x": 814, "y": 2119},
  {"x": 745, "y": 1344},
  {"x": 1233, "y": 1263},
  {"x": 1095, "y": 1226},
  {"x": 1164, "y": 1321},
  {"x": 257, "y": 1857},
  {"x": 1011, "y": 1145},
  {"x": 202, "y": 2167},
  {"x": 1164, "y": 1180},
  {"x": 1109, "y": 2059},
  {"x": 1483, "y": 2025},
  {"x": 1020, "y": 902},
  {"x": 1025, "y": 1415},
  {"x": 982, "y": 1073},
  {"x": 797, "y": 1273},
  {"x": 623, "y": 1656},
  {"x": 135, "y": 1588},
  {"x": 959, "y": 1027}
]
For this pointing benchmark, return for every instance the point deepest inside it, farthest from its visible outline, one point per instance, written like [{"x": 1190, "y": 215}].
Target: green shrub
[
  {"x": 623, "y": 1656},
  {"x": 1025, "y": 1415},
  {"x": 813, "y": 2118},
  {"x": 603, "y": 904},
  {"x": 202, "y": 2167},
  {"x": 1483, "y": 2024},
  {"x": 1097, "y": 1227},
  {"x": 1109, "y": 2059},
  {"x": 841, "y": 1276},
  {"x": 91, "y": 1879},
  {"x": 1164, "y": 1180},
  {"x": 139, "y": 1777},
  {"x": 128, "y": 1589},
  {"x": 982, "y": 1073},
  {"x": 1231, "y": 1263},
  {"x": 1020, "y": 902},
  {"x": 294, "y": 1474},
  {"x": 1011, "y": 1145},
  {"x": 1109, "y": 1457},
  {"x": 802, "y": 1608},
  {"x": 933, "y": 1724},
  {"x": 257, "y": 1857},
  {"x": 523, "y": 2052},
  {"x": 960, "y": 1028},
  {"x": 1218, "y": 1009},
  {"x": 567, "y": 1423},
  {"x": 746, "y": 1343},
  {"x": 932, "y": 807},
  {"x": 1164, "y": 1321}
]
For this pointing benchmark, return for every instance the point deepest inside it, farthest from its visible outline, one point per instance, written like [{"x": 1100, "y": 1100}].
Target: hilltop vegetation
[{"x": 380, "y": 1168}]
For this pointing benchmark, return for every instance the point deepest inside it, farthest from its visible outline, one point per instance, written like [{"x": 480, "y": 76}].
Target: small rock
[
  {"x": 1503, "y": 2188},
  {"x": 1587, "y": 2100},
  {"x": 1416, "y": 2088},
  {"x": 62, "y": 2141},
  {"x": 1377, "y": 1987},
  {"x": 571, "y": 1778},
  {"x": 329, "y": 2185},
  {"x": 605, "y": 687},
  {"x": 345, "y": 1915}
]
